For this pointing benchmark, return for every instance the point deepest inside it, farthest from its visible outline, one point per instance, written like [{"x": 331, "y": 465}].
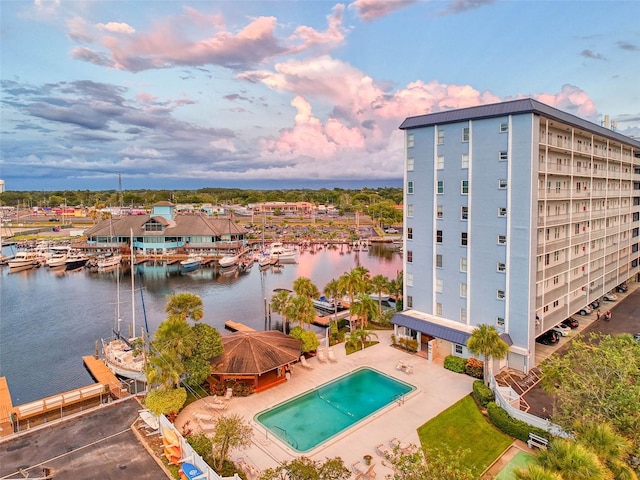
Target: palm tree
[
  {"x": 333, "y": 292},
  {"x": 354, "y": 282},
  {"x": 380, "y": 285},
  {"x": 186, "y": 305},
  {"x": 172, "y": 343},
  {"x": 364, "y": 307},
  {"x": 485, "y": 340},
  {"x": 305, "y": 287},
  {"x": 301, "y": 309},
  {"x": 279, "y": 304},
  {"x": 573, "y": 461},
  {"x": 395, "y": 288},
  {"x": 360, "y": 336},
  {"x": 610, "y": 447},
  {"x": 535, "y": 472}
]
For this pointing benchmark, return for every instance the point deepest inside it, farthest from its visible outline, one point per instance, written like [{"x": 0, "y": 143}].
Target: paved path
[{"x": 437, "y": 389}]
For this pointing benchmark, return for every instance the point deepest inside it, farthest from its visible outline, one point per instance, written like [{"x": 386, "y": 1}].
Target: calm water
[
  {"x": 49, "y": 320},
  {"x": 340, "y": 403}
]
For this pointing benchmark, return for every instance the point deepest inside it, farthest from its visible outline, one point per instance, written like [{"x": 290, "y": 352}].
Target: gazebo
[{"x": 256, "y": 358}]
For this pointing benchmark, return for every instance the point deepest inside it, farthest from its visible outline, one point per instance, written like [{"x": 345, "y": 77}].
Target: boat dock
[
  {"x": 324, "y": 321},
  {"x": 101, "y": 373},
  {"x": 237, "y": 326}
]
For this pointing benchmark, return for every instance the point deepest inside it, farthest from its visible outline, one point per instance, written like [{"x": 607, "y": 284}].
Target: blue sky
[{"x": 284, "y": 94}]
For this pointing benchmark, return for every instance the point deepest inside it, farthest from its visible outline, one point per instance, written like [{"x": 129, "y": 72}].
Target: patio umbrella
[{"x": 255, "y": 353}]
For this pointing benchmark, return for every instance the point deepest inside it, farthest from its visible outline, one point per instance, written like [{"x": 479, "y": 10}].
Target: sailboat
[
  {"x": 112, "y": 258},
  {"x": 120, "y": 355}
]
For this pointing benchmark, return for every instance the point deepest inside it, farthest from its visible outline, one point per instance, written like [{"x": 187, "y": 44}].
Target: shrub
[
  {"x": 511, "y": 426},
  {"x": 455, "y": 364},
  {"x": 474, "y": 368},
  {"x": 482, "y": 393},
  {"x": 412, "y": 345},
  {"x": 393, "y": 339}
]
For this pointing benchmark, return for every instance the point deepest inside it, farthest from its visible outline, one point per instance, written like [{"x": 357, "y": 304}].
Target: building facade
[{"x": 517, "y": 215}]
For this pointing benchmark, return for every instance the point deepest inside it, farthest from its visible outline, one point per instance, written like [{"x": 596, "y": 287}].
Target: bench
[{"x": 537, "y": 441}]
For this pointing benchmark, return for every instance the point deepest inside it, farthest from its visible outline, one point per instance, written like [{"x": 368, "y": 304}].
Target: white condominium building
[{"x": 516, "y": 215}]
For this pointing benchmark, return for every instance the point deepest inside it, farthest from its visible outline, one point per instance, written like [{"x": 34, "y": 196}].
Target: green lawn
[{"x": 463, "y": 427}]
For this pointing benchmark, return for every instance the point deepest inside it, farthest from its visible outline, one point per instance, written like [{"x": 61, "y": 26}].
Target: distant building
[
  {"x": 163, "y": 231},
  {"x": 1, "y": 186},
  {"x": 517, "y": 215}
]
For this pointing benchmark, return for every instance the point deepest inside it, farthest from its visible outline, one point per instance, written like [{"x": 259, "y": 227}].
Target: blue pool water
[{"x": 310, "y": 419}]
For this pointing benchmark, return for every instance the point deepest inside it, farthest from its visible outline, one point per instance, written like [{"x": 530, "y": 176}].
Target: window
[
  {"x": 409, "y": 301},
  {"x": 464, "y": 187},
  {"x": 502, "y": 239},
  {"x": 463, "y": 315},
  {"x": 464, "y": 212},
  {"x": 439, "y": 211},
  {"x": 503, "y": 156},
  {"x": 502, "y": 183},
  {"x": 463, "y": 290},
  {"x": 465, "y": 160},
  {"x": 463, "y": 264},
  {"x": 409, "y": 187},
  {"x": 409, "y": 233},
  {"x": 409, "y": 278},
  {"x": 463, "y": 239},
  {"x": 440, "y": 187},
  {"x": 500, "y": 321},
  {"x": 500, "y": 294},
  {"x": 438, "y": 260},
  {"x": 409, "y": 256},
  {"x": 440, "y": 162},
  {"x": 439, "y": 309},
  {"x": 410, "y": 140},
  {"x": 504, "y": 127},
  {"x": 465, "y": 134},
  {"x": 502, "y": 267},
  {"x": 439, "y": 285},
  {"x": 502, "y": 212},
  {"x": 438, "y": 236},
  {"x": 458, "y": 349},
  {"x": 410, "y": 210},
  {"x": 410, "y": 162},
  {"x": 440, "y": 137}
]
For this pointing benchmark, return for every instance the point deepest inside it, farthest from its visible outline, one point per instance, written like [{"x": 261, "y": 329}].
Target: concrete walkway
[{"x": 436, "y": 390}]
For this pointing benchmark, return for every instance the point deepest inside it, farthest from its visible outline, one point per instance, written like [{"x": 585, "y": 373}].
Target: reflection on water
[{"x": 49, "y": 320}]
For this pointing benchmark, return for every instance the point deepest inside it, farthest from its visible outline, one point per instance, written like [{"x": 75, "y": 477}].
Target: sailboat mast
[{"x": 133, "y": 290}]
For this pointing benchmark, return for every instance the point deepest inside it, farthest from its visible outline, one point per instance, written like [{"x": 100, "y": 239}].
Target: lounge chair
[
  {"x": 384, "y": 451},
  {"x": 304, "y": 363},
  {"x": 402, "y": 446},
  {"x": 331, "y": 355},
  {"x": 228, "y": 394},
  {"x": 321, "y": 357},
  {"x": 203, "y": 416},
  {"x": 363, "y": 471},
  {"x": 251, "y": 471}
]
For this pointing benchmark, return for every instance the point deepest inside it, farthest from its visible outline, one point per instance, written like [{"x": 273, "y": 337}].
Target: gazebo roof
[{"x": 255, "y": 353}]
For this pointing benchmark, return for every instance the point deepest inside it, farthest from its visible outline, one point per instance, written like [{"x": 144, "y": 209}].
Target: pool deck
[{"x": 436, "y": 390}]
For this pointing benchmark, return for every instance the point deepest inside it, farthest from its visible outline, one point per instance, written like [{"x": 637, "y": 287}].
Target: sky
[{"x": 284, "y": 93}]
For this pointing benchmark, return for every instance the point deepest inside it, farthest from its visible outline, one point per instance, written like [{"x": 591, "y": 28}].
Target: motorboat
[
  {"x": 191, "y": 263},
  {"x": 24, "y": 259},
  {"x": 327, "y": 305},
  {"x": 281, "y": 253},
  {"x": 76, "y": 260},
  {"x": 229, "y": 261}
]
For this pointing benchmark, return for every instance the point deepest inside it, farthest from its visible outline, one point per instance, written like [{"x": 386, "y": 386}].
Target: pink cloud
[
  {"x": 117, "y": 27},
  {"x": 332, "y": 36},
  {"x": 370, "y": 10},
  {"x": 78, "y": 30},
  {"x": 570, "y": 99}
]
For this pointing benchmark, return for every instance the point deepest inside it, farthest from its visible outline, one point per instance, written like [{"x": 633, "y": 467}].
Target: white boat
[
  {"x": 281, "y": 253},
  {"x": 76, "y": 260},
  {"x": 24, "y": 259},
  {"x": 191, "y": 263},
  {"x": 121, "y": 355},
  {"x": 109, "y": 260},
  {"x": 229, "y": 261},
  {"x": 382, "y": 298},
  {"x": 326, "y": 305}
]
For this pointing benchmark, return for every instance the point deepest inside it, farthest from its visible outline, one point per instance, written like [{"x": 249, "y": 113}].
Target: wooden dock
[
  {"x": 6, "y": 407},
  {"x": 101, "y": 373},
  {"x": 237, "y": 326},
  {"x": 325, "y": 321}
]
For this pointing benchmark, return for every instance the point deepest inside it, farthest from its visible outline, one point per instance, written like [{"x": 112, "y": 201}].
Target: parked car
[
  {"x": 571, "y": 323},
  {"x": 391, "y": 230},
  {"x": 548, "y": 338},
  {"x": 610, "y": 297},
  {"x": 595, "y": 304},
  {"x": 585, "y": 310},
  {"x": 622, "y": 288},
  {"x": 562, "y": 330}
]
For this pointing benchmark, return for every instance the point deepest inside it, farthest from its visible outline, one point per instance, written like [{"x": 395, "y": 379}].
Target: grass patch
[
  {"x": 463, "y": 427},
  {"x": 353, "y": 349}
]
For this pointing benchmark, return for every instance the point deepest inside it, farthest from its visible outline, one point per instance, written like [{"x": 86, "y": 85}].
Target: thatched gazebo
[{"x": 258, "y": 359}]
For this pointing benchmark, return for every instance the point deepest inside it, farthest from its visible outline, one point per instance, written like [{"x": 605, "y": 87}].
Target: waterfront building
[
  {"x": 164, "y": 231},
  {"x": 517, "y": 215}
]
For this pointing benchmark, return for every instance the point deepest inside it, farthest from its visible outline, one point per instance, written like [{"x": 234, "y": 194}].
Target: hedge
[
  {"x": 455, "y": 364},
  {"x": 482, "y": 393},
  {"x": 511, "y": 426}
]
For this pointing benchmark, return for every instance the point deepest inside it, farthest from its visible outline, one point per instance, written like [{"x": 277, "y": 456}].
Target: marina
[{"x": 51, "y": 319}]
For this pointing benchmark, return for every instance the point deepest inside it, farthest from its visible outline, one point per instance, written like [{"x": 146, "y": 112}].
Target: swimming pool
[{"x": 306, "y": 421}]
